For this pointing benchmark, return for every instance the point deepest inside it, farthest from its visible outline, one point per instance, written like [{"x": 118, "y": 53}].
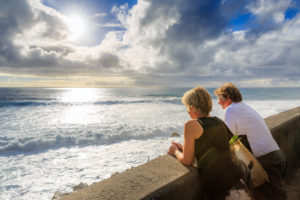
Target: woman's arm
[{"x": 192, "y": 130}]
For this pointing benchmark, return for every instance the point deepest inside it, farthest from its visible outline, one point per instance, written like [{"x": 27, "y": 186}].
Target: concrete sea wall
[
  {"x": 165, "y": 178},
  {"x": 285, "y": 128}
]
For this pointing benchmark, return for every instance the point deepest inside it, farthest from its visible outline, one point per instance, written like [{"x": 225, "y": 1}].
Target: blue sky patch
[
  {"x": 291, "y": 13},
  {"x": 241, "y": 21}
]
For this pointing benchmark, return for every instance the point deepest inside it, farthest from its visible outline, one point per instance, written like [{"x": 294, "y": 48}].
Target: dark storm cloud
[
  {"x": 15, "y": 16},
  {"x": 199, "y": 21}
]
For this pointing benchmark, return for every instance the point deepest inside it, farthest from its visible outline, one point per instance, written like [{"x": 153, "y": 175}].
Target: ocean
[{"x": 54, "y": 138}]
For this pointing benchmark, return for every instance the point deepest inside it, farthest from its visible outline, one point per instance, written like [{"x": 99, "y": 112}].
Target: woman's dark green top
[{"x": 213, "y": 155}]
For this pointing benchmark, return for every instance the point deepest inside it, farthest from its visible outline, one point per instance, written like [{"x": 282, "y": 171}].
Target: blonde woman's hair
[
  {"x": 229, "y": 90},
  {"x": 199, "y": 98}
]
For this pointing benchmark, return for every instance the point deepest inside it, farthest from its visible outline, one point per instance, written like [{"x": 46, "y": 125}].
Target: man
[{"x": 243, "y": 120}]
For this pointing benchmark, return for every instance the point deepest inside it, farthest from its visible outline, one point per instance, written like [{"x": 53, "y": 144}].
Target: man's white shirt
[{"x": 244, "y": 120}]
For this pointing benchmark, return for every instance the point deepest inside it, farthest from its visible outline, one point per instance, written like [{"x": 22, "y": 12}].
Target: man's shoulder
[
  {"x": 234, "y": 110},
  {"x": 234, "y": 107}
]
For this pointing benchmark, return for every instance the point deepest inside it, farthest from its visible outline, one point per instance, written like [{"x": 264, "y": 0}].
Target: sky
[{"x": 149, "y": 43}]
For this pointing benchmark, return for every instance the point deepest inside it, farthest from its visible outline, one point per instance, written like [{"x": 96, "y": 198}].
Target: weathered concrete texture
[
  {"x": 285, "y": 128},
  {"x": 161, "y": 178},
  {"x": 165, "y": 178}
]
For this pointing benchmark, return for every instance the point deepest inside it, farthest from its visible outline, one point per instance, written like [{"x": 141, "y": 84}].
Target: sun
[{"x": 77, "y": 26}]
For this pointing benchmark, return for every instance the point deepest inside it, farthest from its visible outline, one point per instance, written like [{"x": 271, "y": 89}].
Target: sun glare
[
  {"x": 80, "y": 95},
  {"x": 77, "y": 26}
]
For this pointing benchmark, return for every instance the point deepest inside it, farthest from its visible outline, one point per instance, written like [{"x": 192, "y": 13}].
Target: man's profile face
[{"x": 224, "y": 102}]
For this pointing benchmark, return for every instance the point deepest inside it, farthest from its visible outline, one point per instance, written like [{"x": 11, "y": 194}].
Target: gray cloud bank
[{"x": 164, "y": 42}]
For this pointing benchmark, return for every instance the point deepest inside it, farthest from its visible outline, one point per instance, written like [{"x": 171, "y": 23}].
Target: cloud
[
  {"x": 34, "y": 41},
  {"x": 110, "y": 25},
  {"x": 17, "y": 19},
  {"x": 269, "y": 14},
  {"x": 99, "y": 15},
  {"x": 195, "y": 40},
  {"x": 158, "y": 42},
  {"x": 12, "y": 21}
]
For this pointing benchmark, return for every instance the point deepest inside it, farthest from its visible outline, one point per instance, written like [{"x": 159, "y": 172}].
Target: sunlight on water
[
  {"x": 83, "y": 113},
  {"x": 81, "y": 95}
]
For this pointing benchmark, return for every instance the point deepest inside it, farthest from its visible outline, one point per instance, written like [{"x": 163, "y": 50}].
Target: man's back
[{"x": 243, "y": 120}]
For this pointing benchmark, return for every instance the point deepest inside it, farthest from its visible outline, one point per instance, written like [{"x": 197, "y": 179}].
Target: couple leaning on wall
[{"x": 206, "y": 138}]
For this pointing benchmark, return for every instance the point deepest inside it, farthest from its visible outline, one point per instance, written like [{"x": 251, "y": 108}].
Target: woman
[{"x": 206, "y": 138}]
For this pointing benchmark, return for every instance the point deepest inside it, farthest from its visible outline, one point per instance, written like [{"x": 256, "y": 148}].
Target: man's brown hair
[{"x": 229, "y": 90}]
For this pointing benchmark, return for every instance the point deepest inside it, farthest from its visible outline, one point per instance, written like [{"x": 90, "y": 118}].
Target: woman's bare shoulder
[
  {"x": 192, "y": 122},
  {"x": 194, "y": 127}
]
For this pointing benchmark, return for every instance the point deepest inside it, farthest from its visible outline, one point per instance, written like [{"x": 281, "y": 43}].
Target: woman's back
[
  {"x": 217, "y": 171},
  {"x": 215, "y": 134}
]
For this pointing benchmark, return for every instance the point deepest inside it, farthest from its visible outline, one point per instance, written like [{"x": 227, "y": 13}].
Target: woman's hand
[
  {"x": 172, "y": 149},
  {"x": 179, "y": 146}
]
